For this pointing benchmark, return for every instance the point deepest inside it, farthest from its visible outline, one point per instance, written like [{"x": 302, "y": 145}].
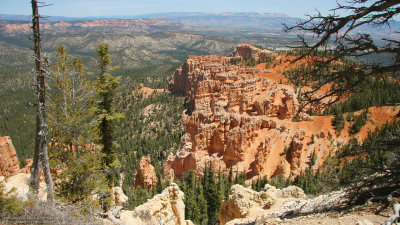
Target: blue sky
[{"x": 82, "y": 8}]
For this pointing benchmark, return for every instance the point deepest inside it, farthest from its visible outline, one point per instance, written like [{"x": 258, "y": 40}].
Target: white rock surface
[{"x": 166, "y": 208}]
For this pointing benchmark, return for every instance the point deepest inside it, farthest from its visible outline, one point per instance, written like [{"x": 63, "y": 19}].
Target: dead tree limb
[
  {"x": 395, "y": 218},
  {"x": 41, "y": 155},
  {"x": 112, "y": 214}
]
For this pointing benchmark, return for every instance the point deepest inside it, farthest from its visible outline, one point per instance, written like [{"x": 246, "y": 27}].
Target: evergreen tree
[
  {"x": 202, "y": 205},
  {"x": 106, "y": 87},
  {"x": 213, "y": 195},
  {"x": 83, "y": 182},
  {"x": 71, "y": 116},
  {"x": 192, "y": 211},
  {"x": 73, "y": 124}
]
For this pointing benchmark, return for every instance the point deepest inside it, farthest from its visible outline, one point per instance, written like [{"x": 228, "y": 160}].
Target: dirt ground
[{"x": 364, "y": 215}]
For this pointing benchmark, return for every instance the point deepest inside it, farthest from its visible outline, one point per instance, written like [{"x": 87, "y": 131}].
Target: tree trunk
[{"x": 40, "y": 156}]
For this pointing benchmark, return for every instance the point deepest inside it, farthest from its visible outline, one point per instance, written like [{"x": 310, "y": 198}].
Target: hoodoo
[
  {"x": 247, "y": 117},
  {"x": 9, "y": 164}
]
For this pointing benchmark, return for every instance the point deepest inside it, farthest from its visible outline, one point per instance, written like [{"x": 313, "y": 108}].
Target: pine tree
[
  {"x": 192, "y": 210},
  {"x": 106, "y": 87},
  {"x": 202, "y": 205},
  {"x": 71, "y": 116},
  {"x": 213, "y": 195},
  {"x": 73, "y": 126}
]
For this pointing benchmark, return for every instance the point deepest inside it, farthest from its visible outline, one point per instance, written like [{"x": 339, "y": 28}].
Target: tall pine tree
[
  {"x": 212, "y": 194},
  {"x": 73, "y": 127},
  {"x": 192, "y": 210},
  {"x": 71, "y": 114},
  {"x": 106, "y": 87}
]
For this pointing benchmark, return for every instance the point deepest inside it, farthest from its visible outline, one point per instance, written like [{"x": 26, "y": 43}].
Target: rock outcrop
[
  {"x": 18, "y": 184},
  {"x": 165, "y": 208},
  {"x": 9, "y": 164},
  {"x": 247, "y": 203},
  {"x": 243, "y": 117},
  {"x": 146, "y": 175}
]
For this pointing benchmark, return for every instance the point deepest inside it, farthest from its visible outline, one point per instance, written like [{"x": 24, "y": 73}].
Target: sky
[{"x": 88, "y": 8}]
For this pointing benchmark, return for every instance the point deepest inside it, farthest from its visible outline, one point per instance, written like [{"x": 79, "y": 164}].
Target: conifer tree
[
  {"x": 212, "y": 195},
  {"x": 73, "y": 127},
  {"x": 192, "y": 210},
  {"x": 71, "y": 108},
  {"x": 202, "y": 205},
  {"x": 106, "y": 87}
]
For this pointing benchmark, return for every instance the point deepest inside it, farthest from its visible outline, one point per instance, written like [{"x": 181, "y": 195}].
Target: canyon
[{"x": 247, "y": 118}]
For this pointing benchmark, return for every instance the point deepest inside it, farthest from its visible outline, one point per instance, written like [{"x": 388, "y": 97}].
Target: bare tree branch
[{"x": 336, "y": 36}]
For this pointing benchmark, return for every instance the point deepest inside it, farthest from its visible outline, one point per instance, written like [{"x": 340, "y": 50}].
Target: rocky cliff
[
  {"x": 242, "y": 117},
  {"x": 9, "y": 164}
]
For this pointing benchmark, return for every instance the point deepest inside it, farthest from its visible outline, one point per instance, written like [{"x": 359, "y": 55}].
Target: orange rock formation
[
  {"x": 242, "y": 117},
  {"x": 9, "y": 164},
  {"x": 146, "y": 176}
]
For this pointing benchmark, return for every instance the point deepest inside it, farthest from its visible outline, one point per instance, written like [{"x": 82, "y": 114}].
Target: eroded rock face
[
  {"x": 243, "y": 117},
  {"x": 146, "y": 176},
  {"x": 165, "y": 208},
  {"x": 245, "y": 202},
  {"x": 235, "y": 118},
  {"x": 9, "y": 164}
]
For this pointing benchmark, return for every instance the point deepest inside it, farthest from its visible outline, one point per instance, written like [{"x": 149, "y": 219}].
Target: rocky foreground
[{"x": 245, "y": 206}]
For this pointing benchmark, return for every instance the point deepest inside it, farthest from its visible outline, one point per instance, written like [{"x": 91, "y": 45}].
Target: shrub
[{"x": 338, "y": 122}]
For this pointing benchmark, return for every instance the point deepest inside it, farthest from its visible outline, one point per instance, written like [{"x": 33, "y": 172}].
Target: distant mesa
[{"x": 24, "y": 27}]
